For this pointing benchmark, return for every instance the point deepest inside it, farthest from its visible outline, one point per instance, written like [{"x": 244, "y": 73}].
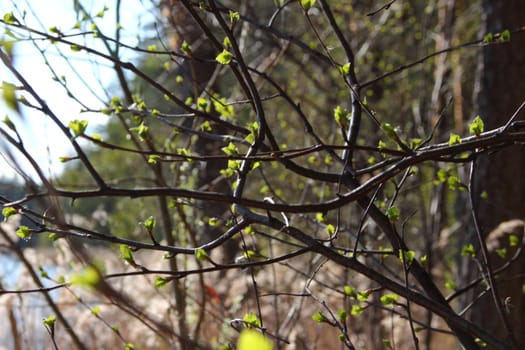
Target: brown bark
[{"x": 502, "y": 174}]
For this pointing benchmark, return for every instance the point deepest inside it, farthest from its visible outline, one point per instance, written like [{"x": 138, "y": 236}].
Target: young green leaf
[
  {"x": 423, "y": 260},
  {"x": 184, "y": 152},
  {"x": 319, "y": 317},
  {"x": 150, "y": 223},
  {"x": 185, "y": 47},
  {"x": 514, "y": 240},
  {"x": 321, "y": 217},
  {"x": 454, "y": 139},
  {"x": 43, "y": 272},
  {"x": 253, "y": 340},
  {"x": 200, "y": 254},
  {"x": 55, "y": 30},
  {"x": 480, "y": 342},
  {"x": 9, "y": 96},
  {"x": 213, "y": 221},
  {"x": 251, "y": 319},
  {"x": 389, "y": 299},
  {"x": 206, "y": 126},
  {"x": 160, "y": 281},
  {"x": 307, "y": 4},
  {"x": 95, "y": 310},
  {"x": 153, "y": 158},
  {"x": 7, "y": 212},
  {"x": 225, "y": 57},
  {"x": 389, "y": 130},
  {"x": 78, "y": 127},
  {"x": 468, "y": 250},
  {"x": 226, "y": 42},
  {"x": 125, "y": 253},
  {"x": 393, "y": 214},
  {"x": 345, "y": 68},
  {"x": 341, "y": 116},
  {"x": 356, "y": 310},
  {"x": 407, "y": 256},
  {"x": 249, "y": 254},
  {"x": 363, "y": 295},
  {"x": 50, "y": 321},
  {"x": 9, "y": 18},
  {"x": 342, "y": 315},
  {"x": 23, "y": 232},
  {"x": 349, "y": 291},
  {"x": 505, "y": 36},
  {"x": 9, "y": 123},
  {"x": 451, "y": 285},
  {"x": 502, "y": 252},
  {"x": 234, "y": 17},
  {"x": 141, "y": 130},
  {"x": 477, "y": 126},
  {"x": 488, "y": 38},
  {"x": 231, "y": 149},
  {"x": 88, "y": 277}
]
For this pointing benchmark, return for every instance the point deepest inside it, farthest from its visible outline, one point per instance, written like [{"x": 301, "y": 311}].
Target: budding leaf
[
  {"x": 186, "y": 48},
  {"x": 341, "y": 116},
  {"x": 389, "y": 130},
  {"x": 231, "y": 149},
  {"x": 89, "y": 277},
  {"x": 389, "y": 299},
  {"x": 234, "y": 17},
  {"x": 9, "y": 18},
  {"x": 488, "y": 38},
  {"x": 251, "y": 319},
  {"x": 502, "y": 252},
  {"x": 9, "y": 96},
  {"x": 345, "y": 69},
  {"x": 307, "y": 4},
  {"x": 200, "y": 254},
  {"x": 454, "y": 139},
  {"x": 319, "y": 317},
  {"x": 451, "y": 285},
  {"x": 505, "y": 36},
  {"x": 150, "y": 223},
  {"x": 468, "y": 250},
  {"x": 349, "y": 291},
  {"x": 23, "y": 232},
  {"x": 126, "y": 253},
  {"x": 78, "y": 126},
  {"x": 356, "y": 310},
  {"x": 95, "y": 310},
  {"x": 8, "y": 212},
  {"x": 477, "y": 126},
  {"x": 50, "y": 321},
  {"x": 225, "y": 57},
  {"x": 407, "y": 256},
  {"x": 393, "y": 214},
  {"x": 160, "y": 282},
  {"x": 251, "y": 339}
]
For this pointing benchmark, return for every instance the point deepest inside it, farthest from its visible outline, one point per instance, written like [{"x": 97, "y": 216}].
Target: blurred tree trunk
[
  {"x": 198, "y": 77},
  {"x": 502, "y": 174}
]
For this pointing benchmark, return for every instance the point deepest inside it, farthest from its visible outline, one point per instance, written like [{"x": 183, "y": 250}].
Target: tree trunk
[{"x": 502, "y": 174}]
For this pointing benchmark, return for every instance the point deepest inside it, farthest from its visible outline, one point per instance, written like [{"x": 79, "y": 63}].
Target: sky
[{"x": 92, "y": 81}]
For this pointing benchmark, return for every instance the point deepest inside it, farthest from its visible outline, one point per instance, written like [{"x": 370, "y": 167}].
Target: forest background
[{"x": 308, "y": 174}]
